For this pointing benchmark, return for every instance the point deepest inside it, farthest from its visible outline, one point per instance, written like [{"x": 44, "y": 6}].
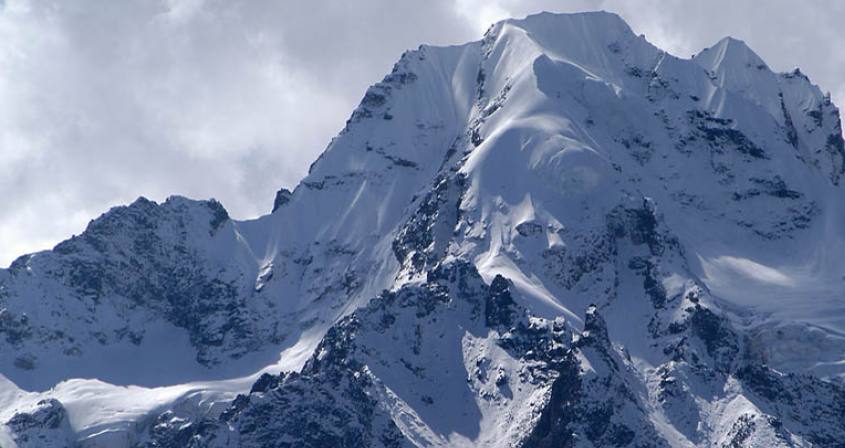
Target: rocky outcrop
[{"x": 45, "y": 426}]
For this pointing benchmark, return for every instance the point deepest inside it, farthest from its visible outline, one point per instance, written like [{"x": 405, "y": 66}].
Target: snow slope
[{"x": 559, "y": 235}]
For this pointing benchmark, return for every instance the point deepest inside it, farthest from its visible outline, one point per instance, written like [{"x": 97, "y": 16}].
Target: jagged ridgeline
[{"x": 556, "y": 236}]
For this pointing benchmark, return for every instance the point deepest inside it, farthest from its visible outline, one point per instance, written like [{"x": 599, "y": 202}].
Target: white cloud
[{"x": 106, "y": 101}]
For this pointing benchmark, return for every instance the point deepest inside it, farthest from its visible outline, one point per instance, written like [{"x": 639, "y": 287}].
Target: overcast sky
[{"x": 104, "y": 101}]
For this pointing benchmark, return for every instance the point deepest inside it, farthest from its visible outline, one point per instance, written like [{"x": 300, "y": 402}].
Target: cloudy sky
[{"x": 104, "y": 101}]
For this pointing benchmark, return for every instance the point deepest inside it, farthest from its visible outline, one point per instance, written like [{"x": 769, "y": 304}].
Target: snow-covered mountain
[{"x": 559, "y": 235}]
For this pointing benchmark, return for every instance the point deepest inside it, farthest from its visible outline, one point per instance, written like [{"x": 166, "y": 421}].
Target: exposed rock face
[
  {"x": 282, "y": 198},
  {"x": 44, "y": 426},
  {"x": 557, "y": 236}
]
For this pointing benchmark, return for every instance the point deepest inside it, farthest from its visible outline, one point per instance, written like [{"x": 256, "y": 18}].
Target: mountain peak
[
  {"x": 573, "y": 33},
  {"x": 426, "y": 280},
  {"x": 595, "y": 20},
  {"x": 730, "y": 52}
]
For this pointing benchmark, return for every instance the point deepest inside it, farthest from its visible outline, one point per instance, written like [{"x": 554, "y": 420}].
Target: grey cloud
[{"x": 106, "y": 101}]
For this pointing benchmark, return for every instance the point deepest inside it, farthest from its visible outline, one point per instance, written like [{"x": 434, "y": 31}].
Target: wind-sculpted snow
[{"x": 559, "y": 235}]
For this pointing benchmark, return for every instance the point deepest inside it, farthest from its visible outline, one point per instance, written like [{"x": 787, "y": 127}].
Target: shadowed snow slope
[{"x": 559, "y": 235}]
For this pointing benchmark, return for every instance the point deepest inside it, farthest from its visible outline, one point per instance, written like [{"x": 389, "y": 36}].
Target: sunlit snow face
[
  {"x": 526, "y": 153},
  {"x": 572, "y": 170}
]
